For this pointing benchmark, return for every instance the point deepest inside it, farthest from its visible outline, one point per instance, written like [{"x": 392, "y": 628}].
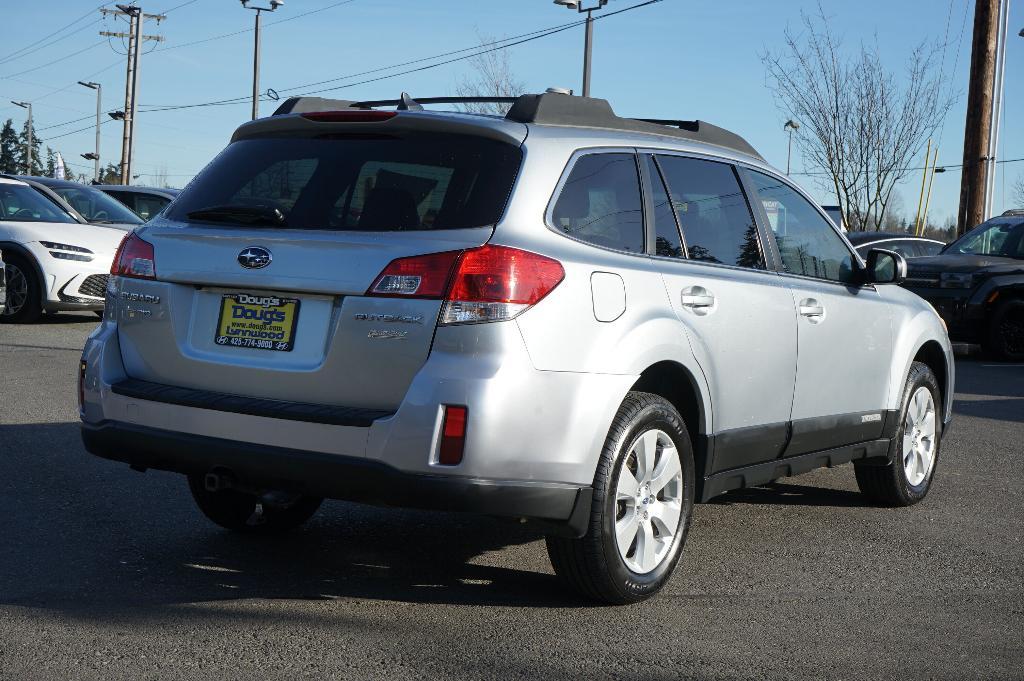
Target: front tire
[
  {"x": 1006, "y": 331},
  {"x": 907, "y": 479},
  {"x": 244, "y": 512},
  {"x": 642, "y": 505},
  {"x": 24, "y": 296}
]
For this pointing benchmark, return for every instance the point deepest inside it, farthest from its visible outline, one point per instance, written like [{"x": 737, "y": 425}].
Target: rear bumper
[{"x": 564, "y": 507}]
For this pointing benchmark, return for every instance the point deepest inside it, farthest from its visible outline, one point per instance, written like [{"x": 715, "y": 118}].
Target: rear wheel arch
[{"x": 677, "y": 384}]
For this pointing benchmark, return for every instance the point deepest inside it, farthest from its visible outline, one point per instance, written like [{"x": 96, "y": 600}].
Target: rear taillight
[
  {"x": 421, "y": 276},
  {"x": 453, "y": 436},
  {"x": 486, "y": 284},
  {"x": 494, "y": 283},
  {"x": 134, "y": 258}
]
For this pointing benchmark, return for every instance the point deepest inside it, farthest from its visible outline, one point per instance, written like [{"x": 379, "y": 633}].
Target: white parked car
[{"x": 53, "y": 262}]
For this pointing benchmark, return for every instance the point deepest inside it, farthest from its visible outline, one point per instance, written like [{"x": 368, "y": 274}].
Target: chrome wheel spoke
[
  {"x": 628, "y": 485},
  {"x": 626, "y": 529},
  {"x": 668, "y": 469},
  {"x": 665, "y": 517},
  {"x": 645, "y": 450},
  {"x": 919, "y": 433},
  {"x": 646, "y": 547}
]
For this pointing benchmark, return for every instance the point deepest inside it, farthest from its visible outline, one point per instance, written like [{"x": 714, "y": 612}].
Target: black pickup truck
[{"x": 977, "y": 285}]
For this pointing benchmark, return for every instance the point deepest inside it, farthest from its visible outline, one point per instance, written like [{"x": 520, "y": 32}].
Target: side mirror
[{"x": 885, "y": 267}]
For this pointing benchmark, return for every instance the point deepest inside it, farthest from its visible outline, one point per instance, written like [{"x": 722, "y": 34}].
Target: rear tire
[
  {"x": 641, "y": 510},
  {"x": 1006, "y": 331},
  {"x": 24, "y": 296},
  {"x": 243, "y": 512},
  {"x": 907, "y": 479}
]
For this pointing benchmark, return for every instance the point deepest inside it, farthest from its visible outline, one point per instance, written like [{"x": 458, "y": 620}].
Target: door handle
[
  {"x": 697, "y": 297},
  {"x": 811, "y": 308}
]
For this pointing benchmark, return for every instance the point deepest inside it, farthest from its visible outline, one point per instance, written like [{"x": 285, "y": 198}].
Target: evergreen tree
[
  {"x": 37, "y": 163},
  {"x": 51, "y": 162},
  {"x": 8, "y": 148},
  {"x": 110, "y": 174}
]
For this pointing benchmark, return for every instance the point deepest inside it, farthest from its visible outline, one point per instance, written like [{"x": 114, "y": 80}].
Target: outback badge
[{"x": 254, "y": 258}]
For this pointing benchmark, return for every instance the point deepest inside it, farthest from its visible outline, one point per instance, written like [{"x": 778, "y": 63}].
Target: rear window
[{"x": 360, "y": 183}]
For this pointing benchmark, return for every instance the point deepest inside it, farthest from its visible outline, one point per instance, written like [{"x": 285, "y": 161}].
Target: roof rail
[
  {"x": 1013, "y": 212},
  {"x": 549, "y": 108}
]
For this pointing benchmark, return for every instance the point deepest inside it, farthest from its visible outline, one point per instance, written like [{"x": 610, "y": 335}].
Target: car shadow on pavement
[
  {"x": 789, "y": 494},
  {"x": 1000, "y": 409},
  {"x": 93, "y": 539},
  {"x": 68, "y": 318}
]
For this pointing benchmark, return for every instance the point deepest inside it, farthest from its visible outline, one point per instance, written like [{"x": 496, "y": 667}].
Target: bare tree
[
  {"x": 864, "y": 128},
  {"x": 1018, "y": 192},
  {"x": 492, "y": 77}
]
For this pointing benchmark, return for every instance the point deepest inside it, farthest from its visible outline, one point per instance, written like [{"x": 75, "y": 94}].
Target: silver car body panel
[{"x": 554, "y": 376}]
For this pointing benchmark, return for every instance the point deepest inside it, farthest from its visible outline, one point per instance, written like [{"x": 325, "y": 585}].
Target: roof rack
[{"x": 549, "y": 108}]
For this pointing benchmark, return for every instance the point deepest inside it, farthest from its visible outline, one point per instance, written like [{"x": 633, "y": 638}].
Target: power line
[
  {"x": 18, "y": 54},
  {"x": 51, "y": 63},
  {"x": 250, "y": 30},
  {"x": 943, "y": 167},
  {"x": 498, "y": 45}
]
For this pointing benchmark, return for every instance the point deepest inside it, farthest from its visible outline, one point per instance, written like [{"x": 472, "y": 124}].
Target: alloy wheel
[
  {"x": 919, "y": 431},
  {"x": 648, "y": 501},
  {"x": 17, "y": 289}
]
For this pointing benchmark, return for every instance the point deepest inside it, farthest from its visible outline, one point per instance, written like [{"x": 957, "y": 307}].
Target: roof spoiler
[{"x": 549, "y": 108}]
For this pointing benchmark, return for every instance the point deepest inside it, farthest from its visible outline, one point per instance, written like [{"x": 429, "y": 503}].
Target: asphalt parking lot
[{"x": 108, "y": 573}]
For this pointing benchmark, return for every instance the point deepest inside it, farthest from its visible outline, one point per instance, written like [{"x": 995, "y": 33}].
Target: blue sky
[{"x": 676, "y": 59}]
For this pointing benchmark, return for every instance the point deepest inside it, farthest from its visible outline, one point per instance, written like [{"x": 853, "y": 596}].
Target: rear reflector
[
  {"x": 134, "y": 258},
  {"x": 355, "y": 116},
  {"x": 453, "y": 436}
]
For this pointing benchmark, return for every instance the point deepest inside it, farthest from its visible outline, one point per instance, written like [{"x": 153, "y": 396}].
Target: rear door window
[
  {"x": 360, "y": 183},
  {"x": 600, "y": 202},
  {"x": 713, "y": 212}
]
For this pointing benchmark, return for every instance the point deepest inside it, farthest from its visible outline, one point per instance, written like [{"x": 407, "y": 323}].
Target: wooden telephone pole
[
  {"x": 135, "y": 39},
  {"x": 974, "y": 179}
]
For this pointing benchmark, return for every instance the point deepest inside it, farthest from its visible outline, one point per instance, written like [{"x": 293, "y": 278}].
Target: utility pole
[
  {"x": 997, "y": 104},
  {"x": 274, "y": 4},
  {"x": 95, "y": 156},
  {"x": 136, "y": 17},
  {"x": 28, "y": 137},
  {"x": 588, "y": 38},
  {"x": 978, "y": 126}
]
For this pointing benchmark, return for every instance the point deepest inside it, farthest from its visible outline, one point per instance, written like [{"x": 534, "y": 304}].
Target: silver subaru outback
[{"x": 587, "y": 321}]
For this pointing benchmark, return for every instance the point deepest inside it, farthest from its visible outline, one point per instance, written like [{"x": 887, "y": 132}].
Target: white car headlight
[{"x": 68, "y": 252}]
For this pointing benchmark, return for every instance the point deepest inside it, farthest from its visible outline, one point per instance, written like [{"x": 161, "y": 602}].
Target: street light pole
[
  {"x": 792, "y": 126},
  {"x": 28, "y": 145},
  {"x": 99, "y": 99},
  {"x": 274, "y": 4},
  {"x": 588, "y": 39}
]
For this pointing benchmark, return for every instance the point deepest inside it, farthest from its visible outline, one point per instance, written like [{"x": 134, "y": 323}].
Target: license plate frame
[{"x": 255, "y": 322}]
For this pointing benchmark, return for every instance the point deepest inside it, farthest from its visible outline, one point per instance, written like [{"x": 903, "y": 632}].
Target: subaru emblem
[{"x": 254, "y": 258}]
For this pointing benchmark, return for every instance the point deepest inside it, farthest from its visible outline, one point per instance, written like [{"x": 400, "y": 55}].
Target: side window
[
  {"x": 712, "y": 211},
  {"x": 808, "y": 242},
  {"x": 904, "y": 247},
  {"x": 928, "y": 248},
  {"x": 667, "y": 241},
  {"x": 600, "y": 202}
]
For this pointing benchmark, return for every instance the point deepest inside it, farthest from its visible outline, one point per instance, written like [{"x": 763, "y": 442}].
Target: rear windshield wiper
[{"x": 246, "y": 215}]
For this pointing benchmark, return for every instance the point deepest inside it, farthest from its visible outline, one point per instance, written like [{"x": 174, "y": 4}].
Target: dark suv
[{"x": 977, "y": 285}]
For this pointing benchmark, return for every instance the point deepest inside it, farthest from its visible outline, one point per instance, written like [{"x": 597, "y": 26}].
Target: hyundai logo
[{"x": 254, "y": 258}]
